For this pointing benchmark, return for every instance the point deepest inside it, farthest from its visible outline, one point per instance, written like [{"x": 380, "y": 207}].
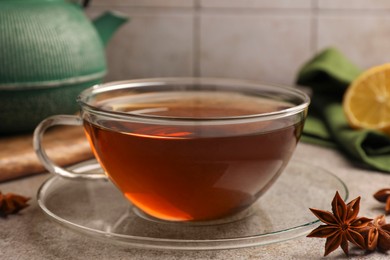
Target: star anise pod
[
  {"x": 341, "y": 226},
  {"x": 11, "y": 203},
  {"x": 383, "y": 195},
  {"x": 377, "y": 234}
]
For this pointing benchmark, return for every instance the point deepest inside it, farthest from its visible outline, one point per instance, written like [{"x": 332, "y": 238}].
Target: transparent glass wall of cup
[{"x": 187, "y": 149}]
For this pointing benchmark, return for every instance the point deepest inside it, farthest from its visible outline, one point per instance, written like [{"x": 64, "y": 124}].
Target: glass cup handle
[{"x": 45, "y": 160}]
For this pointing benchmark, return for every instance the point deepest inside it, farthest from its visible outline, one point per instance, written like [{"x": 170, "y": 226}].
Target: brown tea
[{"x": 193, "y": 170}]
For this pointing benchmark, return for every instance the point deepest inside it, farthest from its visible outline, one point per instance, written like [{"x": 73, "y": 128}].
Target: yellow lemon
[{"x": 366, "y": 102}]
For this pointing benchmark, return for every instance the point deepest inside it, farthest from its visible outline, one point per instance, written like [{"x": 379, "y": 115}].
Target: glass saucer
[{"x": 98, "y": 209}]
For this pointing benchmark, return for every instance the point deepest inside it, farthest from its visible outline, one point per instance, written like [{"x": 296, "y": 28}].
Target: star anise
[
  {"x": 341, "y": 226},
  {"x": 377, "y": 234},
  {"x": 383, "y": 195},
  {"x": 11, "y": 203}
]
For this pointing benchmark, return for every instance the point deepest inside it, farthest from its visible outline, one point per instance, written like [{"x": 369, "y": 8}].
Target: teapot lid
[{"x": 47, "y": 43}]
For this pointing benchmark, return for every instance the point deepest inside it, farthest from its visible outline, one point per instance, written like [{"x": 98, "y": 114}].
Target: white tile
[
  {"x": 353, "y": 4},
  {"x": 257, "y": 3},
  {"x": 152, "y": 44},
  {"x": 364, "y": 39},
  {"x": 144, "y": 3},
  {"x": 260, "y": 47}
]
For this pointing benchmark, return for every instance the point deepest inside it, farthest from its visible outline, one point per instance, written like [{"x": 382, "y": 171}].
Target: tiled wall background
[{"x": 266, "y": 40}]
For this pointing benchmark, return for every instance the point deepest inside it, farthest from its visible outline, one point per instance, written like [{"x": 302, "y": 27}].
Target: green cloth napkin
[{"x": 328, "y": 75}]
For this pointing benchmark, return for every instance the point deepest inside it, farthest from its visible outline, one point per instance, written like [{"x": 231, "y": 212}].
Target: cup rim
[{"x": 134, "y": 83}]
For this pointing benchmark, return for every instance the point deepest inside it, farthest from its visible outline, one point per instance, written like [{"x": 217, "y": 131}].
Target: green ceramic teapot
[{"x": 49, "y": 52}]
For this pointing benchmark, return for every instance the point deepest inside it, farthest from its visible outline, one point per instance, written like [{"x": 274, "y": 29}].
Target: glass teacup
[{"x": 187, "y": 149}]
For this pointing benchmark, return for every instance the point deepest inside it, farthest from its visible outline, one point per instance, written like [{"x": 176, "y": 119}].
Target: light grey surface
[{"x": 31, "y": 235}]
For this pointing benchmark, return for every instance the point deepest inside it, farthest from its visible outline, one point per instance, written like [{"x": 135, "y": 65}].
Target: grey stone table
[{"x": 31, "y": 235}]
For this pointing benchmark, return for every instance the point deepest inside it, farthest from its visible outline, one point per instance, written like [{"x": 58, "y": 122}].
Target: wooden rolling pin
[{"x": 64, "y": 145}]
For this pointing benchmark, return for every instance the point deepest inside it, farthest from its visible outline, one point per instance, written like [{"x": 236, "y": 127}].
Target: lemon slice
[{"x": 366, "y": 102}]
